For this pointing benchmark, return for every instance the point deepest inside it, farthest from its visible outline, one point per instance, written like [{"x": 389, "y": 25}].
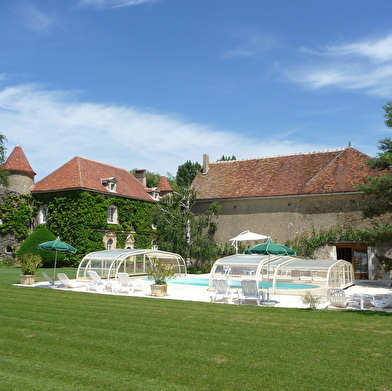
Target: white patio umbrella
[{"x": 246, "y": 235}]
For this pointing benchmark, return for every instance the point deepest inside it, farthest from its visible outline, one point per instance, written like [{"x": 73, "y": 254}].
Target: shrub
[
  {"x": 385, "y": 262},
  {"x": 311, "y": 300},
  {"x": 40, "y": 235}
]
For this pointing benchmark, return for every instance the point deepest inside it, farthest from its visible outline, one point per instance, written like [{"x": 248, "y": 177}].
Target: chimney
[
  {"x": 206, "y": 163},
  {"x": 140, "y": 175}
]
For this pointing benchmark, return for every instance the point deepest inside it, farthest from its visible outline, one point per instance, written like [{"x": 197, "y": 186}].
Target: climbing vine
[
  {"x": 306, "y": 245},
  {"x": 16, "y": 213}
]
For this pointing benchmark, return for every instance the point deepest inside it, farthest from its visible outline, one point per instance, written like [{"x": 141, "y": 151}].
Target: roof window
[{"x": 110, "y": 183}]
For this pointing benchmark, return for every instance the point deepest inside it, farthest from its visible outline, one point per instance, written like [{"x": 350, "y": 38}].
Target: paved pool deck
[{"x": 378, "y": 288}]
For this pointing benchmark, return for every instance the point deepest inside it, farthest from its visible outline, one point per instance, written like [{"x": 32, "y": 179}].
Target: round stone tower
[{"x": 21, "y": 177}]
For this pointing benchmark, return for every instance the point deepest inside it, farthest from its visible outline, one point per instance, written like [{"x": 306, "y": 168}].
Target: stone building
[
  {"x": 78, "y": 175},
  {"x": 287, "y": 197}
]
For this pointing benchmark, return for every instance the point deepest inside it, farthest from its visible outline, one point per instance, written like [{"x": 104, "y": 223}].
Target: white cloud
[
  {"x": 253, "y": 45},
  {"x": 365, "y": 66},
  {"x": 54, "y": 126},
  {"x": 113, "y": 3},
  {"x": 375, "y": 50},
  {"x": 35, "y": 19}
]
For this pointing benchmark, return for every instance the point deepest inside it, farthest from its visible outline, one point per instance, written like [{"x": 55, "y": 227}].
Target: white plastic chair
[
  {"x": 222, "y": 291},
  {"x": 250, "y": 291},
  {"x": 98, "y": 284},
  {"x": 337, "y": 297},
  {"x": 67, "y": 282},
  {"x": 126, "y": 284}
]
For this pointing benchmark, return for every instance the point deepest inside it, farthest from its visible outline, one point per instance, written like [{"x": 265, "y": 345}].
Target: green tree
[
  {"x": 186, "y": 173},
  {"x": 182, "y": 231},
  {"x": 3, "y": 150},
  {"x": 152, "y": 178},
  {"x": 388, "y": 114},
  {"x": 380, "y": 184},
  {"x": 226, "y": 158}
]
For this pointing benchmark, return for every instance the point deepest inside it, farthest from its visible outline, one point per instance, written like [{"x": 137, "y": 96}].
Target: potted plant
[
  {"x": 29, "y": 263},
  {"x": 160, "y": 272}
]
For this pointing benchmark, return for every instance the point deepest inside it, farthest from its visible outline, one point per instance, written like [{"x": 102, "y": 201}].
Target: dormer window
[
  {"x": 110, "y": 183},
  {"x": 155, "y": 193}
]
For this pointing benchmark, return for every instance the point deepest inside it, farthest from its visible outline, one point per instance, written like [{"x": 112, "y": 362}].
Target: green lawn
[{"x": 61, "y": 340}]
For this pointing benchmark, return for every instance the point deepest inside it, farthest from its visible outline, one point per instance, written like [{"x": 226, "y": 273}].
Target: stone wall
[
  {"x": 8, "y": 243},
  {"x": 20, "y": 183},
  {"x": 287, "y": 218}
]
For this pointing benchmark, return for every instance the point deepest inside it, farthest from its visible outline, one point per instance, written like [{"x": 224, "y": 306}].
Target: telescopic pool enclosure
[
  {"x": 276, "y": 270},
  {"x": 132, "y": 261}
]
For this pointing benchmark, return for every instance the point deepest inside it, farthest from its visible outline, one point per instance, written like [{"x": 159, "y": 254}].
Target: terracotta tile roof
[
  {"x": 321, "y": 172},
  {"x": 163, "y": 184},
  {"x": 85, "y": 174},
  {"x": 17, "y": 161}
]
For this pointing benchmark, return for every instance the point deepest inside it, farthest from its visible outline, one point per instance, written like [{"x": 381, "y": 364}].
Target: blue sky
[{"x": 151, "y": 84}]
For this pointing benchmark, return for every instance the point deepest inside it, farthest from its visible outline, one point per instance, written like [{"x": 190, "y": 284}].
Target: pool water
[{"x": 237, "y": 284}]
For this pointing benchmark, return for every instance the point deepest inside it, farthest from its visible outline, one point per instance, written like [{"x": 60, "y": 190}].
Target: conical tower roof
[
  {"x": 163, "y": 184},
  {"x": 17, "y": 161}
]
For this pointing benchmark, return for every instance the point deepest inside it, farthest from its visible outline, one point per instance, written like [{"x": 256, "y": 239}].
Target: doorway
[{"x": 358, "y": 256}]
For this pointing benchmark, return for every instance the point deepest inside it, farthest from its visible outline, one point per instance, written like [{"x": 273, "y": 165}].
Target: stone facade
[
  {"x": 286, "y": 218},
  {"x": 290, "y": 196}
]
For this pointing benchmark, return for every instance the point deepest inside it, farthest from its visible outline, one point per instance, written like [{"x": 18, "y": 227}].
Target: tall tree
[
  {"x": 152, "y": 178},
  {"x": 3, "y": 150},
  {"x": 186, "y": 173},
  {"x": 380, "y": 185},
  {"x": 388, "y": 113},
  {"x": 183, "y": 232},
  {"x": 226, "y": 158}
]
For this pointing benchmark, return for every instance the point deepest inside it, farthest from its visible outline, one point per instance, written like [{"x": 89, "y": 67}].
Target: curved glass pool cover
[
  {"x": 108, "y": 263},
  {"x": 276, "y": 269}
]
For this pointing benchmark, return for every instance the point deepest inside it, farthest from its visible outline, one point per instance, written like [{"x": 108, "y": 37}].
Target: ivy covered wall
[
  {"x": 306, "y": 245},
  {"x": 17, "y": 213},
  {"x": 80, "y": 219}
]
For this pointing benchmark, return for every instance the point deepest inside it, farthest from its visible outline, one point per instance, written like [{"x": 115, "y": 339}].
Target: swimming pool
[{"x": 237, "y": 284}]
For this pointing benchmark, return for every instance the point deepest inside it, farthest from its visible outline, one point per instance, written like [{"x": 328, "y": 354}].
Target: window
[
  {"x": 109, "y": 244},
  {"x": 42, "y": 214},
  {"x": 110, "y": 184},
  {"x": 155, "y": 193},
  {"x": 112, "y": 214}
]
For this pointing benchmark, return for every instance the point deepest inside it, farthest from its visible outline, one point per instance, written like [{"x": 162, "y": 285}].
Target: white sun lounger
[
  {"x": 98, "y": 284},
  {"x": 67, "y": 282},
  {"x": 250, "y": 291},
  {"x": 222, "y": 291},
  {"x": 386, "y": 303},
  {"x": 126, "y": 284},
  {"x": 51, "y": 282}
]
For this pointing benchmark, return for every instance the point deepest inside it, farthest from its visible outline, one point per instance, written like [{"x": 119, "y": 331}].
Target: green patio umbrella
[
  {"x": 270, "y": 247},
  {"x": 57, "y": 245}
]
